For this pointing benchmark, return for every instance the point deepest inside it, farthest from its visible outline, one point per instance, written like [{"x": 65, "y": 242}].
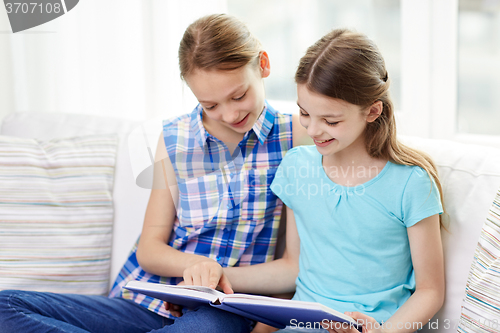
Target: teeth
[{"x": 322, "y": 141}]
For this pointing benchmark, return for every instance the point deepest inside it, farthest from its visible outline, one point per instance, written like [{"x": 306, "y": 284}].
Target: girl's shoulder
[
  {"x": 186, "y": 118},
  {"x": 409, "y": 177},
  {"x": 301, "y": 153},
  {"x": 279, "y": 118},
  {"x": 185, "y": 126},
  {"x": 305, "y": 150},
  {"x": 406, "y": 171}
]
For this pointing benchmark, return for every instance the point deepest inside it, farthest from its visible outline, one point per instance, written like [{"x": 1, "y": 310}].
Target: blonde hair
[
  {"x": 217, "y": 41},
  {"x": 347, "y": 65}
]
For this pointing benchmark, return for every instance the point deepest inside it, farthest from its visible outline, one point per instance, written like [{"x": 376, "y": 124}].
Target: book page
[
  {"x": 162, "y": 291},
  {"x": 207, "y": 290}
]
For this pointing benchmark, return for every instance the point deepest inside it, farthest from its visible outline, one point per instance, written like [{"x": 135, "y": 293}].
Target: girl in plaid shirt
[{"x": 211, "y": 206}]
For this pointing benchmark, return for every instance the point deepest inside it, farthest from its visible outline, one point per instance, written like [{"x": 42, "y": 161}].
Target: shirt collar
[
  {"x": 200, "y": 133},
  {"x": 261, "y": 128},
  {"x": 264, "y": 123}
]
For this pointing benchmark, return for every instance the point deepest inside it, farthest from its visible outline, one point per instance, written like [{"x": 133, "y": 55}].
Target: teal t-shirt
[{"x": 354, "y": 248}]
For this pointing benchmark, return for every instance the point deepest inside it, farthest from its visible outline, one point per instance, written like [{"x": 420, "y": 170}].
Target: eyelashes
[
  {"x": 240, "y": 98},
  {"x": 208, "y": 108},
  {"x": 303, "y": 114},
  {"x": 327, "y": 122}
]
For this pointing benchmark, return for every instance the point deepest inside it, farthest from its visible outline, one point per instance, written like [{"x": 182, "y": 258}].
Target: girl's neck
[
  {"x": 355, "y": 153},
  {"x": 342, "y": 160},
  {"x": 224, "y": 134},
  {"x": 352, "y": 169}
]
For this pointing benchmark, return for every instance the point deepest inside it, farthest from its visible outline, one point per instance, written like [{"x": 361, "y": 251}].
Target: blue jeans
[{"x": 29, "y": 311}]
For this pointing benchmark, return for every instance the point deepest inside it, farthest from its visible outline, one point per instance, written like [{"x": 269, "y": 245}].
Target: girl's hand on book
[
  {"x": 207, "y": 273},
  {"x": 263, "y": 328},
  {"x": 175, "y": 310},
  {"x": 370, "y": 325}
]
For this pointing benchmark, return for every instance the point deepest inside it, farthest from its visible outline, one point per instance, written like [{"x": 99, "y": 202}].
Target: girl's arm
[
  {"x": 428, "y": 264},
  {"x": 274, "y": 277},
  {"x": 427, "y": 256},
  {"x": 153, "y": 253}
]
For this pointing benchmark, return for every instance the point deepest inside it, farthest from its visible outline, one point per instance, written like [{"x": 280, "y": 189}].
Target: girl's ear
[
  {"x": 374, "y": 111},
  {"x": 264, "y": 65}
]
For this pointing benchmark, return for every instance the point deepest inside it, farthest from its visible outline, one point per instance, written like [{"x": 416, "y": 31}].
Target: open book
[{"x": 272, "y": 311}]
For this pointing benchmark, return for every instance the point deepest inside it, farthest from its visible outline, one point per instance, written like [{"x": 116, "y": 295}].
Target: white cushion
[
  {"x": 56, "y": 213},
  {"x": 470, "y": 175},
  {"x": 129, "y": 200}
]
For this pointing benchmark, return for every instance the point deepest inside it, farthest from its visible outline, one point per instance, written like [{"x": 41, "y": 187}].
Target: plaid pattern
[{"x": 226, "y": 210}]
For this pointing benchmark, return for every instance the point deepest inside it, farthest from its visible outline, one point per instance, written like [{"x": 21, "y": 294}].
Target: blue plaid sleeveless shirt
[{"x": 226, "y": 210}]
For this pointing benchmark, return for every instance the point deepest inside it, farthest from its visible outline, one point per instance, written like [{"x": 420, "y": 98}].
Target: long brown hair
[
  {"x": 217, "y": 41},
  {"x": 347, "y": 65}
]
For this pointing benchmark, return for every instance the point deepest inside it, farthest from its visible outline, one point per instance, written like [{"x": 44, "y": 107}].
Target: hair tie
[{"x": 386, "y": 77}]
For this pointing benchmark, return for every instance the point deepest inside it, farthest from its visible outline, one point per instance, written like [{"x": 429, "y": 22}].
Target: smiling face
[
  {"x": 231, "y": 100},
  {"x": 336, "y": 126}
]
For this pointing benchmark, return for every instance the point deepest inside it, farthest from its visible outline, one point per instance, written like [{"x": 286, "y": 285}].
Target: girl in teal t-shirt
[{"x": 363, "y": 210}]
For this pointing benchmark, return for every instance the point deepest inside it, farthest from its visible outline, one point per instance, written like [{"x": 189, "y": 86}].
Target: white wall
[
  {"x": 119, "y": 58},
  {"x": 113, "y": 58},
  {"x": 6, "y": 79}
]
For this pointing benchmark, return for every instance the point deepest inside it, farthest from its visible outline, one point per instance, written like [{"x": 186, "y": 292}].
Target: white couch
[
  {"x": 129, "y": 200},
  {"x": 470, "y": 176}
]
